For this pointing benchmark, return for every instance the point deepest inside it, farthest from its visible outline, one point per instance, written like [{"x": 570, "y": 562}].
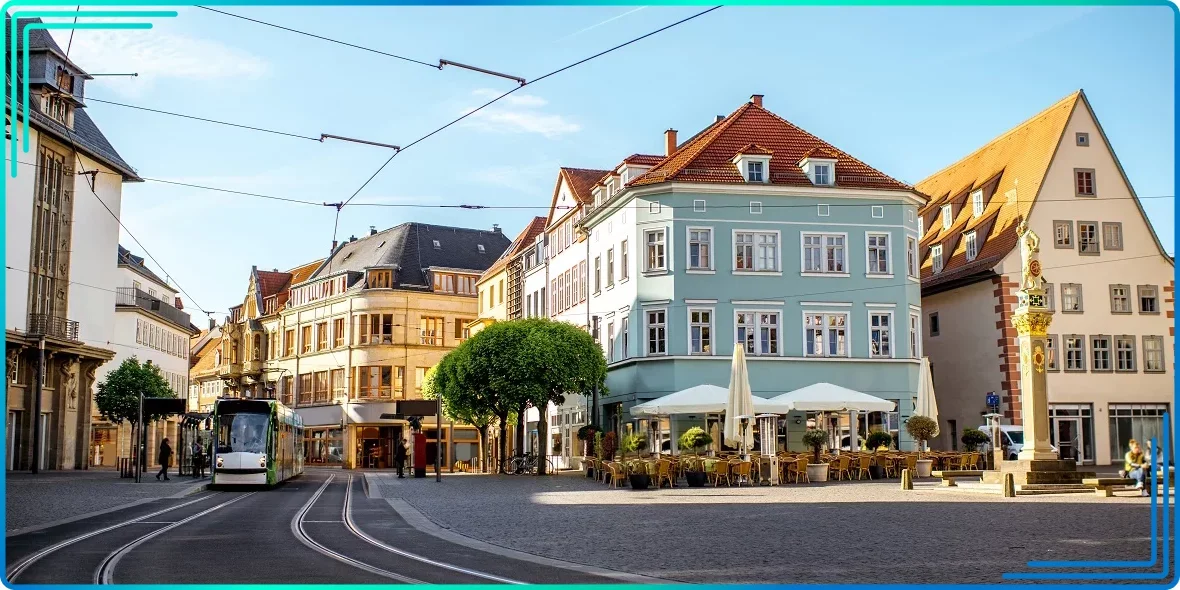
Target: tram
[{"x": 255, "y": 442}]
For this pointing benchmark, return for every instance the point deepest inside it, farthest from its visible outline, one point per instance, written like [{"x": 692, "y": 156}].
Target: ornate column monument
[{"x": 1037, "y": 466}]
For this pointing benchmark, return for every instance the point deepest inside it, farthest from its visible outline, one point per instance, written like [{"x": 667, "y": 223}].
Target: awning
[
  {"x": 702, "y": 399},
  {"x": 825, "y": 397}
]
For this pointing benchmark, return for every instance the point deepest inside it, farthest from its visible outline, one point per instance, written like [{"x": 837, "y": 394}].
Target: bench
[
  {"x": 1103, "y": 486},
  {"x": 948, "y": 476}
]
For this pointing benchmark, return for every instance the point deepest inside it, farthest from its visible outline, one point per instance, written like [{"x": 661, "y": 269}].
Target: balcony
[
  {"x": 252, "y": 367},
  {"x": 231, "y": 370},
  {"x": 52, "y": 327},
  {"x": 132, "y": 297}
]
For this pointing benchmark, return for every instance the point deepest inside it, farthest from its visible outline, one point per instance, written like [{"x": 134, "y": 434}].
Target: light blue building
[{"x": 759, "y": 233}]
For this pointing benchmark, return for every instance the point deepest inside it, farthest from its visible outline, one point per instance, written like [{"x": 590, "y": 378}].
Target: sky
[{"x": 908, "y": 90}]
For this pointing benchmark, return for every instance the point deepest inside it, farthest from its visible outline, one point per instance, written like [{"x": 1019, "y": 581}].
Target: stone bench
[
  {"x": 948, "y": 477},
  {"x": 1104, "y": 486}
]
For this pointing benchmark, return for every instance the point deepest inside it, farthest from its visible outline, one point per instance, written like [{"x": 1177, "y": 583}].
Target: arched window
[{"x": 257, "y": 347}]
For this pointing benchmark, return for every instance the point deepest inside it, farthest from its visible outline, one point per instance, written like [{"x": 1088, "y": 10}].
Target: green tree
[
  {"x": 921, "y": 429},
  {"x": 509, "y": 366},
  {"x": 117, "y": 398},
  {"x": 460, "y": 404}
]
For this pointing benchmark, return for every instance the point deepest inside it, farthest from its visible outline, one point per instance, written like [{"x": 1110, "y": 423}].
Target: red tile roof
[
  {"x": 643, "y": 159},
  {"x": 294, "y": 276},
  {"x": 819, "y": 152},
  {"x": 582, "y": 180},
  {"x": 522, "y": 241},
  {"x": 270, "y": 283},
  {"x": 755, "y": 149},
  {"x": 707, "y": 157}
]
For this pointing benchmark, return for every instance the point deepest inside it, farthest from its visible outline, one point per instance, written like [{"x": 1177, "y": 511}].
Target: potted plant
[
  {"x": 878, "y": 441},
  {"x": 922, "y": 429},
  {"x": 815, "y": 440},
  {"x": 610, "y": 443},
  {"x": 695, "y": 438},
  {"x": 638, "y": 476},
  {"x": 972, "y": 439},
  {"x": 587, "y": 434}
]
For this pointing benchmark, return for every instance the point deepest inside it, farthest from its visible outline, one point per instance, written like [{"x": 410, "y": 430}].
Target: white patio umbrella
[
  {"x": 925, "y": 404},
  {"x": 740, "y": 403},
  {"x": 702, "y": 399}
]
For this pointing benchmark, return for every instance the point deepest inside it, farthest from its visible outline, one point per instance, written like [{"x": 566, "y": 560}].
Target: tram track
[
  {"x": 301, "y": 533},
  {"x": 23, "y": 565},
  {"x": 106, "y": 570}
]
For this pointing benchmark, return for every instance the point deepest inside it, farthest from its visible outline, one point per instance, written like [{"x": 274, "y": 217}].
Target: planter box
[
  {"x": 876, "y": 472},
  {"x": 923, "y": 467},
  {"x": 817, "y": 472},
  {"x": 696, "y": 479},
  {"x": 590, "y": 472},
  {"x": 639, "y": 481}
]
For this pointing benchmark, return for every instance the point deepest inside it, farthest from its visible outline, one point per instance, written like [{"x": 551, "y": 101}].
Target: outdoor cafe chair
[
  {"x": 862, "y": 468},
  {"x": 720, "y": 472},
  {"x": 743, "y": 472},
  {"x": 801, "y": 469},
  {"x": 664, "y": 472},
  {"x": 615, "y": 474},
  {"x": 911, "y": 463}
]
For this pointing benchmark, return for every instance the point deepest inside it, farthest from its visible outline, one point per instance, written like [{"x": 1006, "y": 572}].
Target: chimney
[
  {"x": 719, "y": 118},
  {"x": 352, "y": 238},
  {"x": 254, "y": 268},
  {"x": 669, "y": 142},
  {"x": 179, "y": 304},
  {"x": 372, "y": 230},
  {"x": 212, "y": 324},
  {"x": 756, "y": 99},
  {"x": 333, "y": 245},
  {"x": 496, "y": 227}
]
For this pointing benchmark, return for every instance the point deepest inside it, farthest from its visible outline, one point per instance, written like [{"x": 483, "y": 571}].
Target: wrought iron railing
[
  {"x": 131, "y": 296},
  {"x": 52, "y": 326}
]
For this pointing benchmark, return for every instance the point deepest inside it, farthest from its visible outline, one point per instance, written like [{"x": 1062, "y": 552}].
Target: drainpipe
[
  {"x": 594, "y": 397},
  {"x": 36, "y": 413}
]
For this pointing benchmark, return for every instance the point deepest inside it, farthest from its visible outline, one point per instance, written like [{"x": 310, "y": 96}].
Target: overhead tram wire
[
  {"x": 528, "y": 83},
  {"x": 206, "y": 120},
  {"x": 323, "y": 38}
]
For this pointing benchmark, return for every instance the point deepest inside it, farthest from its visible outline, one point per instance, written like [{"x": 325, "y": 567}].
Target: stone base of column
[{"x": 1039, "y": 472}]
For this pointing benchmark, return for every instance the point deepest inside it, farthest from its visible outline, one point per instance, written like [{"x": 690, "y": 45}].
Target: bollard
[
  {"x": 1009, "y": 486},
  {"x": 907, "y": 480}
]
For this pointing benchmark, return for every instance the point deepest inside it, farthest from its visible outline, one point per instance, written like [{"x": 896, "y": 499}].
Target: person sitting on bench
[{"x": 1135, "y": 464}]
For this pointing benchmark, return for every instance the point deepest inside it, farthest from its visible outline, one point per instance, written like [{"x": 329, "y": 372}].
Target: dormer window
[
  {"x": 754, "y": 172},
  {"x": 947, "y": 218},
  {"x": 58, "y": 108},
  {"x": 971, "y": 245},
  {"x": 936, "y": 258},
  {"x": 823, "y": 174},
  {"x": 480, "y": 247},
  {"x": 437, "y": 245},
  {"x": 380, "y": 279},
  {"x": 977, "y": 202},
  {"x": 65, "y": 82}
]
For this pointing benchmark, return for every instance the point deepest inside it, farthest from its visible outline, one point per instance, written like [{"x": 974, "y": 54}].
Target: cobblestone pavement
[
  {"x": 836, "y": 532},
  {"x": 51, "y": 496}
]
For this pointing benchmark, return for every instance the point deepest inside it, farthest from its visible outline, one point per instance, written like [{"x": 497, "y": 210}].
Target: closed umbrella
[
  {"x": 740, "y": 403},
  {"x": 925, "y": 404}
]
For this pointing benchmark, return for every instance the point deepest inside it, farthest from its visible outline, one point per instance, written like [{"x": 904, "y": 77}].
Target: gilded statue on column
[{"x": 1030, "y": 246}]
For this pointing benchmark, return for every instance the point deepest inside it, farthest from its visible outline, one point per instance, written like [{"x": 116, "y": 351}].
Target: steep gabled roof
[
  {"x": 136, "y": 263},
  {"x": 708, "y": 156},
  {"x": 1015, "y": 163},
  {"x": 643, "y": 159},
  {"x": 526, "y": 238},
  {"x": 271, "y": 282},
  {"x": 581, "y": 182}
]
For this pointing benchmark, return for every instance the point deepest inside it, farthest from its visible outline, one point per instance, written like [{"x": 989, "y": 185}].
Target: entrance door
[
  {"x": 15, "y": 439},
  {"x": 44, "y": 441},
  {"x": 1068, "y": 435}
]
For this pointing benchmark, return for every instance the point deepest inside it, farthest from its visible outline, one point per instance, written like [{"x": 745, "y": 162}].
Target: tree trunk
[
  {"x": 483, "y": 446},
  {"x": 503, "y": 444},
  {"x": 542, "y": 438},
  {"x": 520, "y": 429}
]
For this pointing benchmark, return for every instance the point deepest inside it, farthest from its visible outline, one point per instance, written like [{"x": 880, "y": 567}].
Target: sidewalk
[{"x": 32, "y": 501}]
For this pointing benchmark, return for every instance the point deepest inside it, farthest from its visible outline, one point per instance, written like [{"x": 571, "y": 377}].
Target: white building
[
  {"x": 151, "y": 326},
  {"x": 62, "y": 200}
]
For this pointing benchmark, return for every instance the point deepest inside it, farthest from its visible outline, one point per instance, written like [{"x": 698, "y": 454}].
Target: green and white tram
[{"x": 255, "y": 442}]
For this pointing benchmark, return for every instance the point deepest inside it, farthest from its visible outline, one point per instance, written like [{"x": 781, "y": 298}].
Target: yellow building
[
  {"x": 500, "y": 286},
  {"x": 346, "y": 341}
]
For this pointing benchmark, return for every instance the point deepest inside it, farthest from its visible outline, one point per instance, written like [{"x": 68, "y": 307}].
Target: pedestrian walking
[
  {"x": 165, "y": 458},
  {"x": 399, "y": 458},
  {"x": 198, "y": 460}
]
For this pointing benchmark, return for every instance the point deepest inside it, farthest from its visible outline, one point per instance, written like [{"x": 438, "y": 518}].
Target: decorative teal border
[{"x": 1164, "y": 577}]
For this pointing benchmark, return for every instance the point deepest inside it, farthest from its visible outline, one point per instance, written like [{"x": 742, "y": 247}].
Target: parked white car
[{"x": 1013, "y": 438}]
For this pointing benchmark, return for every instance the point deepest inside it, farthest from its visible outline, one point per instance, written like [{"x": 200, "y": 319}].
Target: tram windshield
[{"x": 242, "y": 433}]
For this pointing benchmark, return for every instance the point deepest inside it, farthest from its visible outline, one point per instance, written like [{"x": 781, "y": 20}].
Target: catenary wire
[
  {"x": 206, "y": 120},
  {"x": 529, "y": 83},
  {"x": 322, "y": 38}
]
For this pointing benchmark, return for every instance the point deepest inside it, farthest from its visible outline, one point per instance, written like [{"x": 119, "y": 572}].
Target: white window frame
[
  {"x": 755, "y": 207},
  {"x": 761, "y": 171},
  {"x": 648, "y": 325},
  {"x": 653, "y": 208},
  {"x": 688, "y": 231},
  {"x": 822, "y": 272},
  {"x": 936, "y": 258},
  {"x": 888, "y": 272},
  {"x": 754, "y": 270},
  {"x": 913, "y": 265},
  {"x": 827, "y": 174},
  {"x": 977, "y": 202},
  {"x": 971, "y": 244},
  {"x": 877, "y": 211},
  {"x": 756, "y": 327},
  {"x": 610, "y": 342},
  {"x": 823, "y": 210},
  {"x": 710, "y": 325},
  {"x": 610, "y": 266},
  {"x": 915, "y": 335},
  {"x": 824, "y": 320},
  {"x": 698, "y": 206},
  {"x": 889, "y": 335},
  {"x": 646, "y": 244},
  {"x": 624, "y": 330},
  {"x": 948, "y": 218},
  {"x": 921, "y": 227}
]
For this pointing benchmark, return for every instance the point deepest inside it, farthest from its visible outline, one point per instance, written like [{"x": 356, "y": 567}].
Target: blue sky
[{"x": 907, "y": 90}]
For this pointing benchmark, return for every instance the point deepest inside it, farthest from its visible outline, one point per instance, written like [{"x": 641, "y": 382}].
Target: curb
[
  {"x": 40, "y": 527},
  {"x": 422, "y": 523}
]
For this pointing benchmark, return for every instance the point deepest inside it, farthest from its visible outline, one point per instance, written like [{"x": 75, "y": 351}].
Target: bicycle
[{"x": 527, "y": 464}]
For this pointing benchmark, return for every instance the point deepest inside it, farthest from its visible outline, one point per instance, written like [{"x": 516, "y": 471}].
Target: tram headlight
[
  {"x": 262, "y": 461},
  {"x": 220, "y": 461}
]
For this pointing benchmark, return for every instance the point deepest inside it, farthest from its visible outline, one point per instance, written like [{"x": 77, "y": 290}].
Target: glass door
[
  {"x": 15, "y": 436},
  {"x": 1067, "y": 435}
]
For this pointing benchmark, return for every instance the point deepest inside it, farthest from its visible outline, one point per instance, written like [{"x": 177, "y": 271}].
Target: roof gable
[
  {"x": 579, "y": 184},
  {"x": 526, "y": 238}
]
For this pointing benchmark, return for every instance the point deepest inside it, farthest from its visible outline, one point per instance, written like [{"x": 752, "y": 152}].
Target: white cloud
[
  {"x": 519, "y": 113},
  {"x": 526, "y": 179},
  {"x": 156, "y": 54}
]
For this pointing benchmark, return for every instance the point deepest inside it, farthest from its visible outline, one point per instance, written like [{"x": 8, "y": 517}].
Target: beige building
[
  {"x": 1109, "y": 282},
  {"x": 501, "y": 287},
  {"x": 347, "y": 339}
]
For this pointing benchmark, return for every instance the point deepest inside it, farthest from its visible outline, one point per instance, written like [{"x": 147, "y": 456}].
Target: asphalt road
[{"x": 318, "y": 528}]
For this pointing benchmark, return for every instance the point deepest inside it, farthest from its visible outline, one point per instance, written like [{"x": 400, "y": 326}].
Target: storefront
[
  {"x": 323, "y": 446},
  {"x": 1142, "y": 422},
  {"x": 1072, "y": 431}
]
